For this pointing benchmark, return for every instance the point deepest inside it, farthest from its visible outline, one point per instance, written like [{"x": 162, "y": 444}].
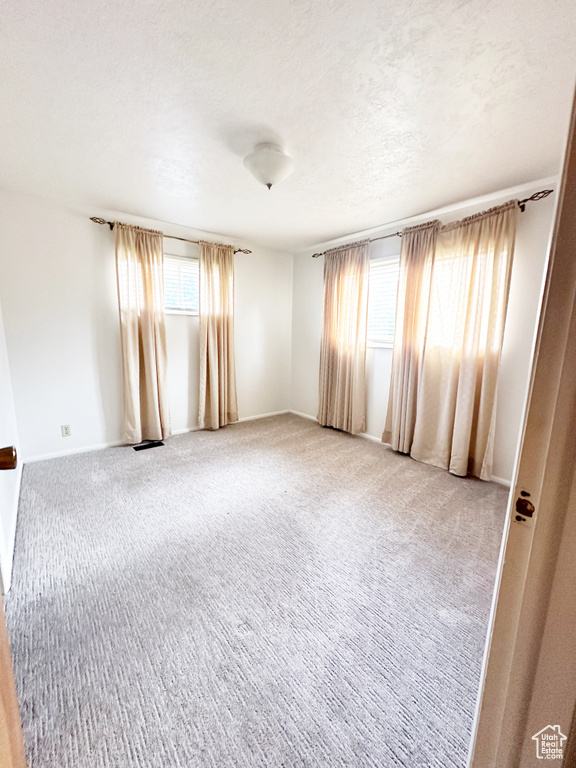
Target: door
[
  {"x": 11, "y": 742},
  {"x": 529, "y": 675}
]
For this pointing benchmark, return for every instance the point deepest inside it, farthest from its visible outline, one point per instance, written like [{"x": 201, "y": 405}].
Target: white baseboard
[
  {"x": 184, "y": 431},
  {"x": 262, "y": 416},
  {"x": 304, "y": 415},
  {"x": 500, "y": 481},
  {"x": 244, "y": 418},
  {"x": 72, "y": 451},
  {"x": 115, "y": 443},
  {"x": 497, "y": 480},
  {"x": 366, "y": 436}
]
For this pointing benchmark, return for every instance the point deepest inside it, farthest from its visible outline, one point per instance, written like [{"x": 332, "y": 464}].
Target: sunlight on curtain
[
  {"x": 139, "y": 270},
  {"x": 456, "y": 403},
  {"x": 416, "y": 260},
  {"x": 342, "y": 390}
]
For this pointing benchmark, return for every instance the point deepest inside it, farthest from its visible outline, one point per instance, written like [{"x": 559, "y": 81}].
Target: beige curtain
[
  {"x": 217, "y": 398},
  {"x": 343, "y": 349},
  {"x": 140, "y": 273},
  {"x": 416, "y": 260},
  {"x": 468, "y": 299}
]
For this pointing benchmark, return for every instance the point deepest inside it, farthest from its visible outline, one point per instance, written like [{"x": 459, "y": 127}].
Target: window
[
  {"x": 382, "y": 300},
  {"x": 181, "y": 292}
]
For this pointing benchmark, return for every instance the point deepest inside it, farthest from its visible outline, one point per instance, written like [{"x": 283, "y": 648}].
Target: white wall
[
  {"x": 262, "y": 333},
  {"x": 58, "y": 291},
  {"x": 527, "y": 275},
  {"x": 9, "y": 479}
]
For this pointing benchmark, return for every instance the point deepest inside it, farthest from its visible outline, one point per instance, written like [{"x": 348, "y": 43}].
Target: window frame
[
  {"x": 185, "y": 312},
  {"x": 374, "y": 342}
]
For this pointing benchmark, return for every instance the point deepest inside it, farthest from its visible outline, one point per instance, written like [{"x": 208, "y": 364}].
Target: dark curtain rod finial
[
  {"x": 99, "y": 220},
  {"x": 521, "y": 204},
  {"x": 536, "y": 196}
]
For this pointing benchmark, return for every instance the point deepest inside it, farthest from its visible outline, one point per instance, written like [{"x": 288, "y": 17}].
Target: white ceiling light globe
[{"x": 268, "y": 164}]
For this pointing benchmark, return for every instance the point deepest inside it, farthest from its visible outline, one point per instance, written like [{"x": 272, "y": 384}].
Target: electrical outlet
[{"x": 66, "y": 431}]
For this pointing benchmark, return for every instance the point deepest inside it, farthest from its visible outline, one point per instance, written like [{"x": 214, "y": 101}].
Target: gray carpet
[{"x": 273, "y": 595}]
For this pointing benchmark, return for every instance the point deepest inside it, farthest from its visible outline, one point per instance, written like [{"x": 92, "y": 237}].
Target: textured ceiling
[{"x": 388, "y": 108}]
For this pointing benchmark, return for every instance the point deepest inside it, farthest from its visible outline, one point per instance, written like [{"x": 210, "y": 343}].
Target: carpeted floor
[{"x": 272, "y": 595}]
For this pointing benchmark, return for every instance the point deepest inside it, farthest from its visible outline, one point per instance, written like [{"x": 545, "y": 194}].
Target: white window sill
[
  {"x": 180, "y": 312},
  {"x": 380, "y": 344}
]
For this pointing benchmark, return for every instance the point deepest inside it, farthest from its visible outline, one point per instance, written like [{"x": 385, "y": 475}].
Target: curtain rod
[
  {"x": 98, "y": 220},
  {"x": 521, "y": 204}
]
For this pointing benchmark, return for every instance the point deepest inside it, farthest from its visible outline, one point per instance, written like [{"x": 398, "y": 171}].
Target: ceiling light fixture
[{"x": 268, "y": 164}]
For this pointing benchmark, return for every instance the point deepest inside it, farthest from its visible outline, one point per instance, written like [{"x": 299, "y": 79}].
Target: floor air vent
[{"x": 147, "y": 444}]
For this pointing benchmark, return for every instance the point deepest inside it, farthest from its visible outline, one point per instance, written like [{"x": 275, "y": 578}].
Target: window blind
[
  {"x": 181, "y": 278},
  {"x": 383, "y": 287}
]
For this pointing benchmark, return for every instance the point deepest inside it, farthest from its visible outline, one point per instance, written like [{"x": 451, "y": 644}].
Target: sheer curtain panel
[
  {"x": 217, "y": 396},
  {"x": 416, "y": 260},
  {"x": 456, "y": 405},
  {"x": 140, "y": 274},
  {"x": 342, "y": 402}
]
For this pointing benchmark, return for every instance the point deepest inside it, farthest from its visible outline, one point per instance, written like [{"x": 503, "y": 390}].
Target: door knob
[{"x": 8, "y": 458}]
